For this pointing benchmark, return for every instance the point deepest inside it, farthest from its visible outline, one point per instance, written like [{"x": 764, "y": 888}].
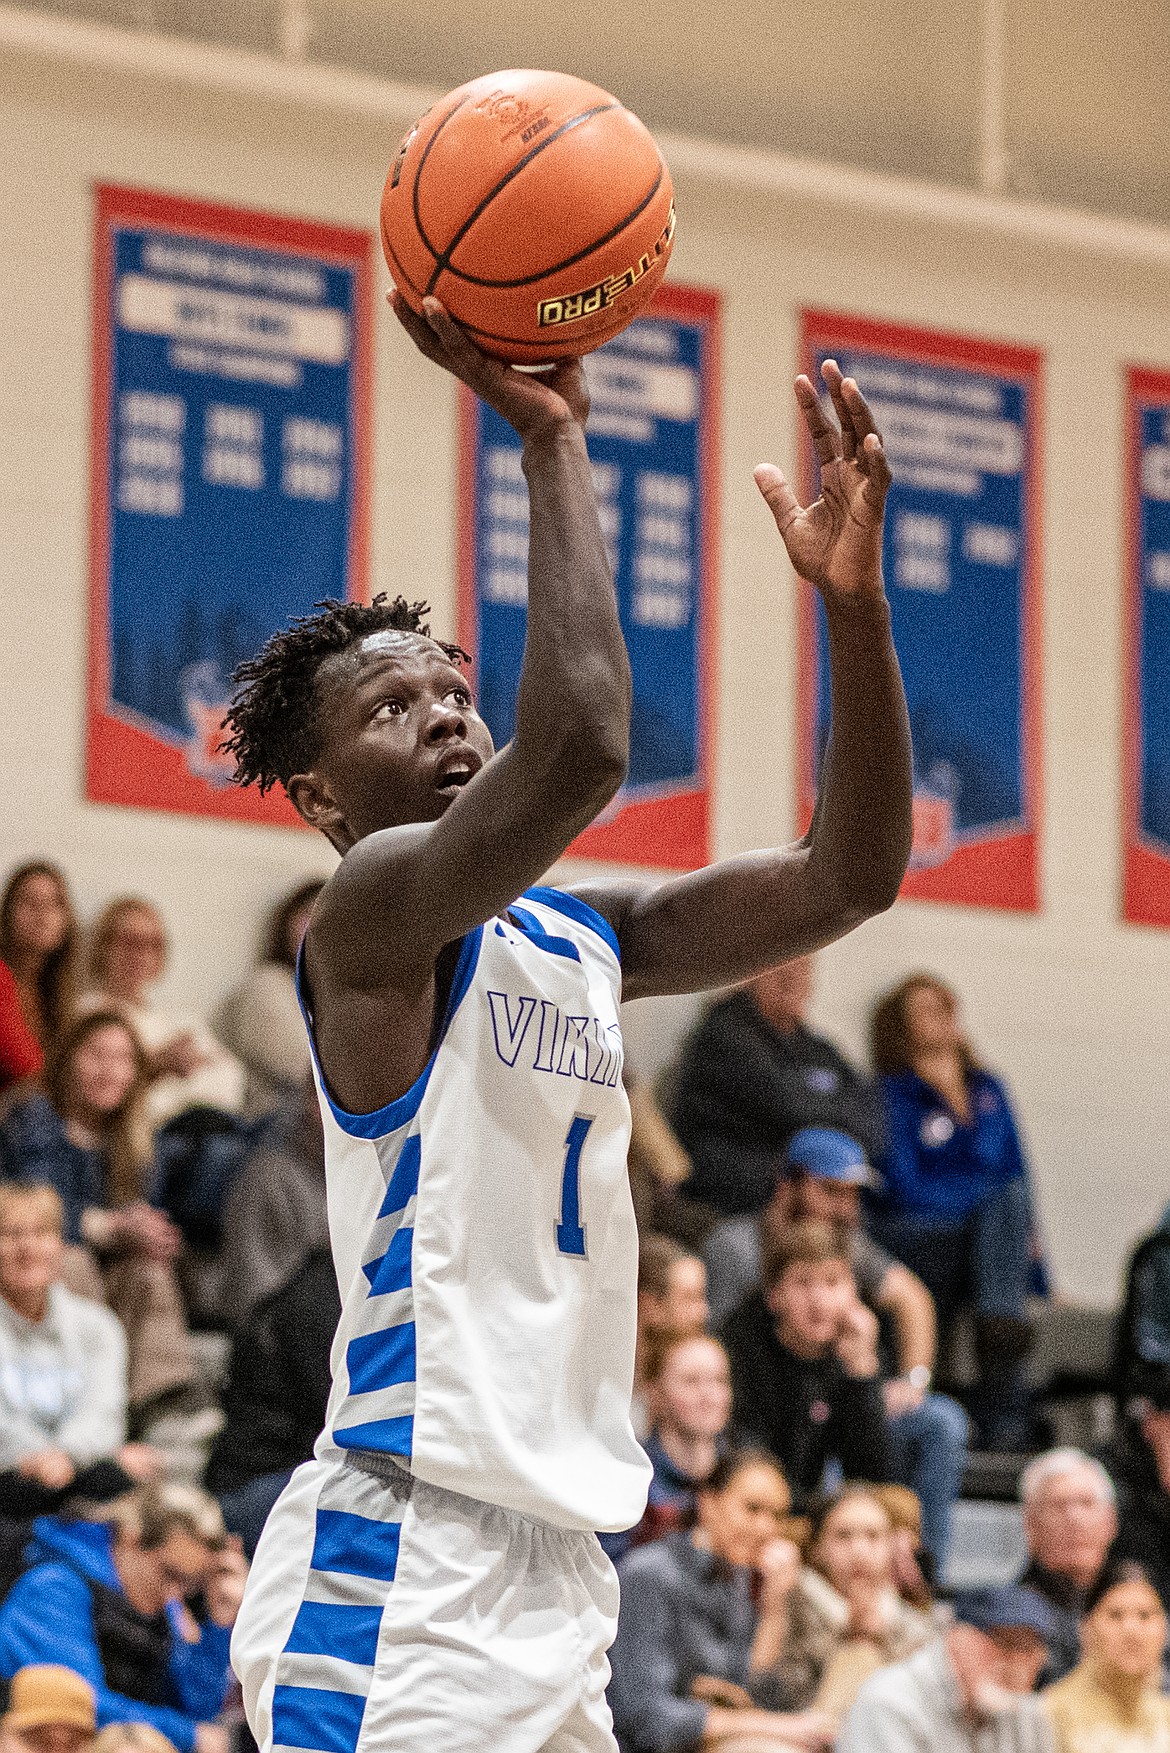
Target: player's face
[{"x": 402, "y": 736}]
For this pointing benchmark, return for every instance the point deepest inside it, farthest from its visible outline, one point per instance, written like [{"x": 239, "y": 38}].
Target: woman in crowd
[
  {"x": 186, "y": 1066},
  {"x": 38, "y": 967},
  {"x": 1111, "y": 1702},
  {"x": 956, "y": 1202},
  {"x": 841, "y": 1617},
  {"x": 86, "y": 1136},
  {"x": 261, "y": 1019},
  {"x": 688, "y": 1402},
  {"x": 62, "y": 1372},
  {"x": 686, "y": 1657}
]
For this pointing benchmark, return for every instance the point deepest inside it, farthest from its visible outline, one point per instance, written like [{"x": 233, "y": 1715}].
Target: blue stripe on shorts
[
  {"x": 355, "y": 1545},
  {"x": 323, "y": 1629},
  {"x": 311, "y": 1716}
]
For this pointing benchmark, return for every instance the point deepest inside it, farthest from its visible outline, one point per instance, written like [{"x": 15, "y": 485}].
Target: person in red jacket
[{"x": 38, "y": 955}]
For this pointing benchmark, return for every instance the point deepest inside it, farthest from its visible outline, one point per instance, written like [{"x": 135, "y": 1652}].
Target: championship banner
[
  {"x": 653, "y": 442},
  {"x": 231, "y": 373},
  {"x": 960, "y": 419},
  {"x": 1147, "y": 696}
]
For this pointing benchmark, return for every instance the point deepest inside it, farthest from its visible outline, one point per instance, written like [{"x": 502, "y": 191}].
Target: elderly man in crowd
[
  {"x": 50, "y": 1710},
  {"x": 968, "y": 1692},
  {"x": 1070, "y": 1520}
]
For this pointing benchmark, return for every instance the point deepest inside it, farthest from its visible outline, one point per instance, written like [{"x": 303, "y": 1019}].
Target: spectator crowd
[{"x": 818, "y": 1244}]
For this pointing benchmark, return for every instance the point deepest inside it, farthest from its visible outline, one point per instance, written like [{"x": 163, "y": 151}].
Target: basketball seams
[
  {"x": 569, "y": 261},
  {"x": 397, "y": 272},
  {"x": 443, "y": 257},
  {"x": 425, "y": 154}
]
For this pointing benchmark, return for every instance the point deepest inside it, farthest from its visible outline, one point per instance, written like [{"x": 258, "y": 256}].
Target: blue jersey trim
[
  {"x": 403, "y": 1183},
  {"x": 375, "y": 1361},
  {"x": 382, "y": 1436},
  {"x": 399, "y": 1112},
  {"x": 574, "y": 908},
  {"x": 392, "y": 1271}
]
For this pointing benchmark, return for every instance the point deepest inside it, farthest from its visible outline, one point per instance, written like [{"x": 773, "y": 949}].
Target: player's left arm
[{"x": 733, "y": 919}]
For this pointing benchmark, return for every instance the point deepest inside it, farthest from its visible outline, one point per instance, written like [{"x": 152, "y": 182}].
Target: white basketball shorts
[{"x": 384, "y": 1615}]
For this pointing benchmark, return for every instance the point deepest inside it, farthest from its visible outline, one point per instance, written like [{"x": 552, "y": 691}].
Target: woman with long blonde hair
[{"x": 86, "y": 1135}]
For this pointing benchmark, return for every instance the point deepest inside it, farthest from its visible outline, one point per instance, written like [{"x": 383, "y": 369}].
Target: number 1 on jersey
[{"x": 570, "y": 1230}]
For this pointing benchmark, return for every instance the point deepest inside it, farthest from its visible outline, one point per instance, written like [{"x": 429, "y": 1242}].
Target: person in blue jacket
[
  {"x": 956, "y": 1201},
  {"x": 109, "y": 1601}
]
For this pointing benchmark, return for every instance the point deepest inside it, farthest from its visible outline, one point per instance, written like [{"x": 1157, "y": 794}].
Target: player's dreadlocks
[{"x": 273, "y": 715}]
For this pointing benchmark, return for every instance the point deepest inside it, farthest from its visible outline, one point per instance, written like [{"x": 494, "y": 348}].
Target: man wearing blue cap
[
  {"x": 824, "y": 1172},
  {"x": 969, "y": 1692}
]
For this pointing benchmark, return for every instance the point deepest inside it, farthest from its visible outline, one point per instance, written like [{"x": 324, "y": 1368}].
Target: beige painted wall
[{"x": 1070, "y": 1005}]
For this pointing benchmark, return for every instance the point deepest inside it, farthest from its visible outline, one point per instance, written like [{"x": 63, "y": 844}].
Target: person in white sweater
[{"x": 62, "y": 1372}]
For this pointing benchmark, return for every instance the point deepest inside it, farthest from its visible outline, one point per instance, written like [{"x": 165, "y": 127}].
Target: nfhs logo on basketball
[{"x": 536, "y": 207}]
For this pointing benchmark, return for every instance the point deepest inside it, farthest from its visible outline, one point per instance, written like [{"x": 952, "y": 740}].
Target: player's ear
[{"x": 314, "y": 802}]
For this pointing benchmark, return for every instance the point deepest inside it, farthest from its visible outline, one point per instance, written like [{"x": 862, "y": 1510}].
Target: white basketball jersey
[{"x": 484, "y": 1236}]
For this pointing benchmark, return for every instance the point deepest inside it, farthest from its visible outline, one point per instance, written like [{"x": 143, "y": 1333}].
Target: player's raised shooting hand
[
  {"x": 535, "y": 406},
  {"x": 835, "y": 543}
]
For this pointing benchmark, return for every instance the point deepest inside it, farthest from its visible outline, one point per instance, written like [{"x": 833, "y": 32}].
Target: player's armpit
[{"x": 724, "y": 923}]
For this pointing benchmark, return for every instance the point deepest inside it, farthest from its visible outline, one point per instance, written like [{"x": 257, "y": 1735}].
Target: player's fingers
[
  {"x": 453, "y": 339},
  {"x": 831, "y": 373},
  {"x": 825, "y": 438},
  {"x": 419, "y": 331},
  {"x": 877, "y": 472},
  {"x": 860, "y": 413},
  {"x": 778, "y": 495}
]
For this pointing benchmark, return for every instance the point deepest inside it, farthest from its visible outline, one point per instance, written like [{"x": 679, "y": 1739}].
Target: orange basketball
[{"x": 536, "y": 207}]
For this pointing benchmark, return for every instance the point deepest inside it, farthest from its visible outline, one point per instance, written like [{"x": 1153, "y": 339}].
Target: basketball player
[{"x": 431, "y": 1583}]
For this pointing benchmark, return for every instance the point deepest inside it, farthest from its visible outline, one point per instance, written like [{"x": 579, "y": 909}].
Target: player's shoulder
[{"x": 579, "y": 911}]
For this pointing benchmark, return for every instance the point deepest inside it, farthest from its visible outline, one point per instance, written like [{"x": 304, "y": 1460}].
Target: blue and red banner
[
  {"x": 1147, "y": 695},
  {"x": 231, "y": 383},
  {"x": 960, "y": 419},
  {"x": 653, "y": 442}
]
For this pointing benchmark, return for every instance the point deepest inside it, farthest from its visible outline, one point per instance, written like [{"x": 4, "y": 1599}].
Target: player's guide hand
[
  {"x": 835, "y": 543},
  {"x": 535, "y": 406}
]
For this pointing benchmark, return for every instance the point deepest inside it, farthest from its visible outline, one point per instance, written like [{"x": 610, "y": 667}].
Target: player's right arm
[{"x": 406, "y": 892}]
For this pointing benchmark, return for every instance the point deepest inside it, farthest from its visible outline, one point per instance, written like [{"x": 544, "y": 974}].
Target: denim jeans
[{"x": 929, "y": 1451}]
